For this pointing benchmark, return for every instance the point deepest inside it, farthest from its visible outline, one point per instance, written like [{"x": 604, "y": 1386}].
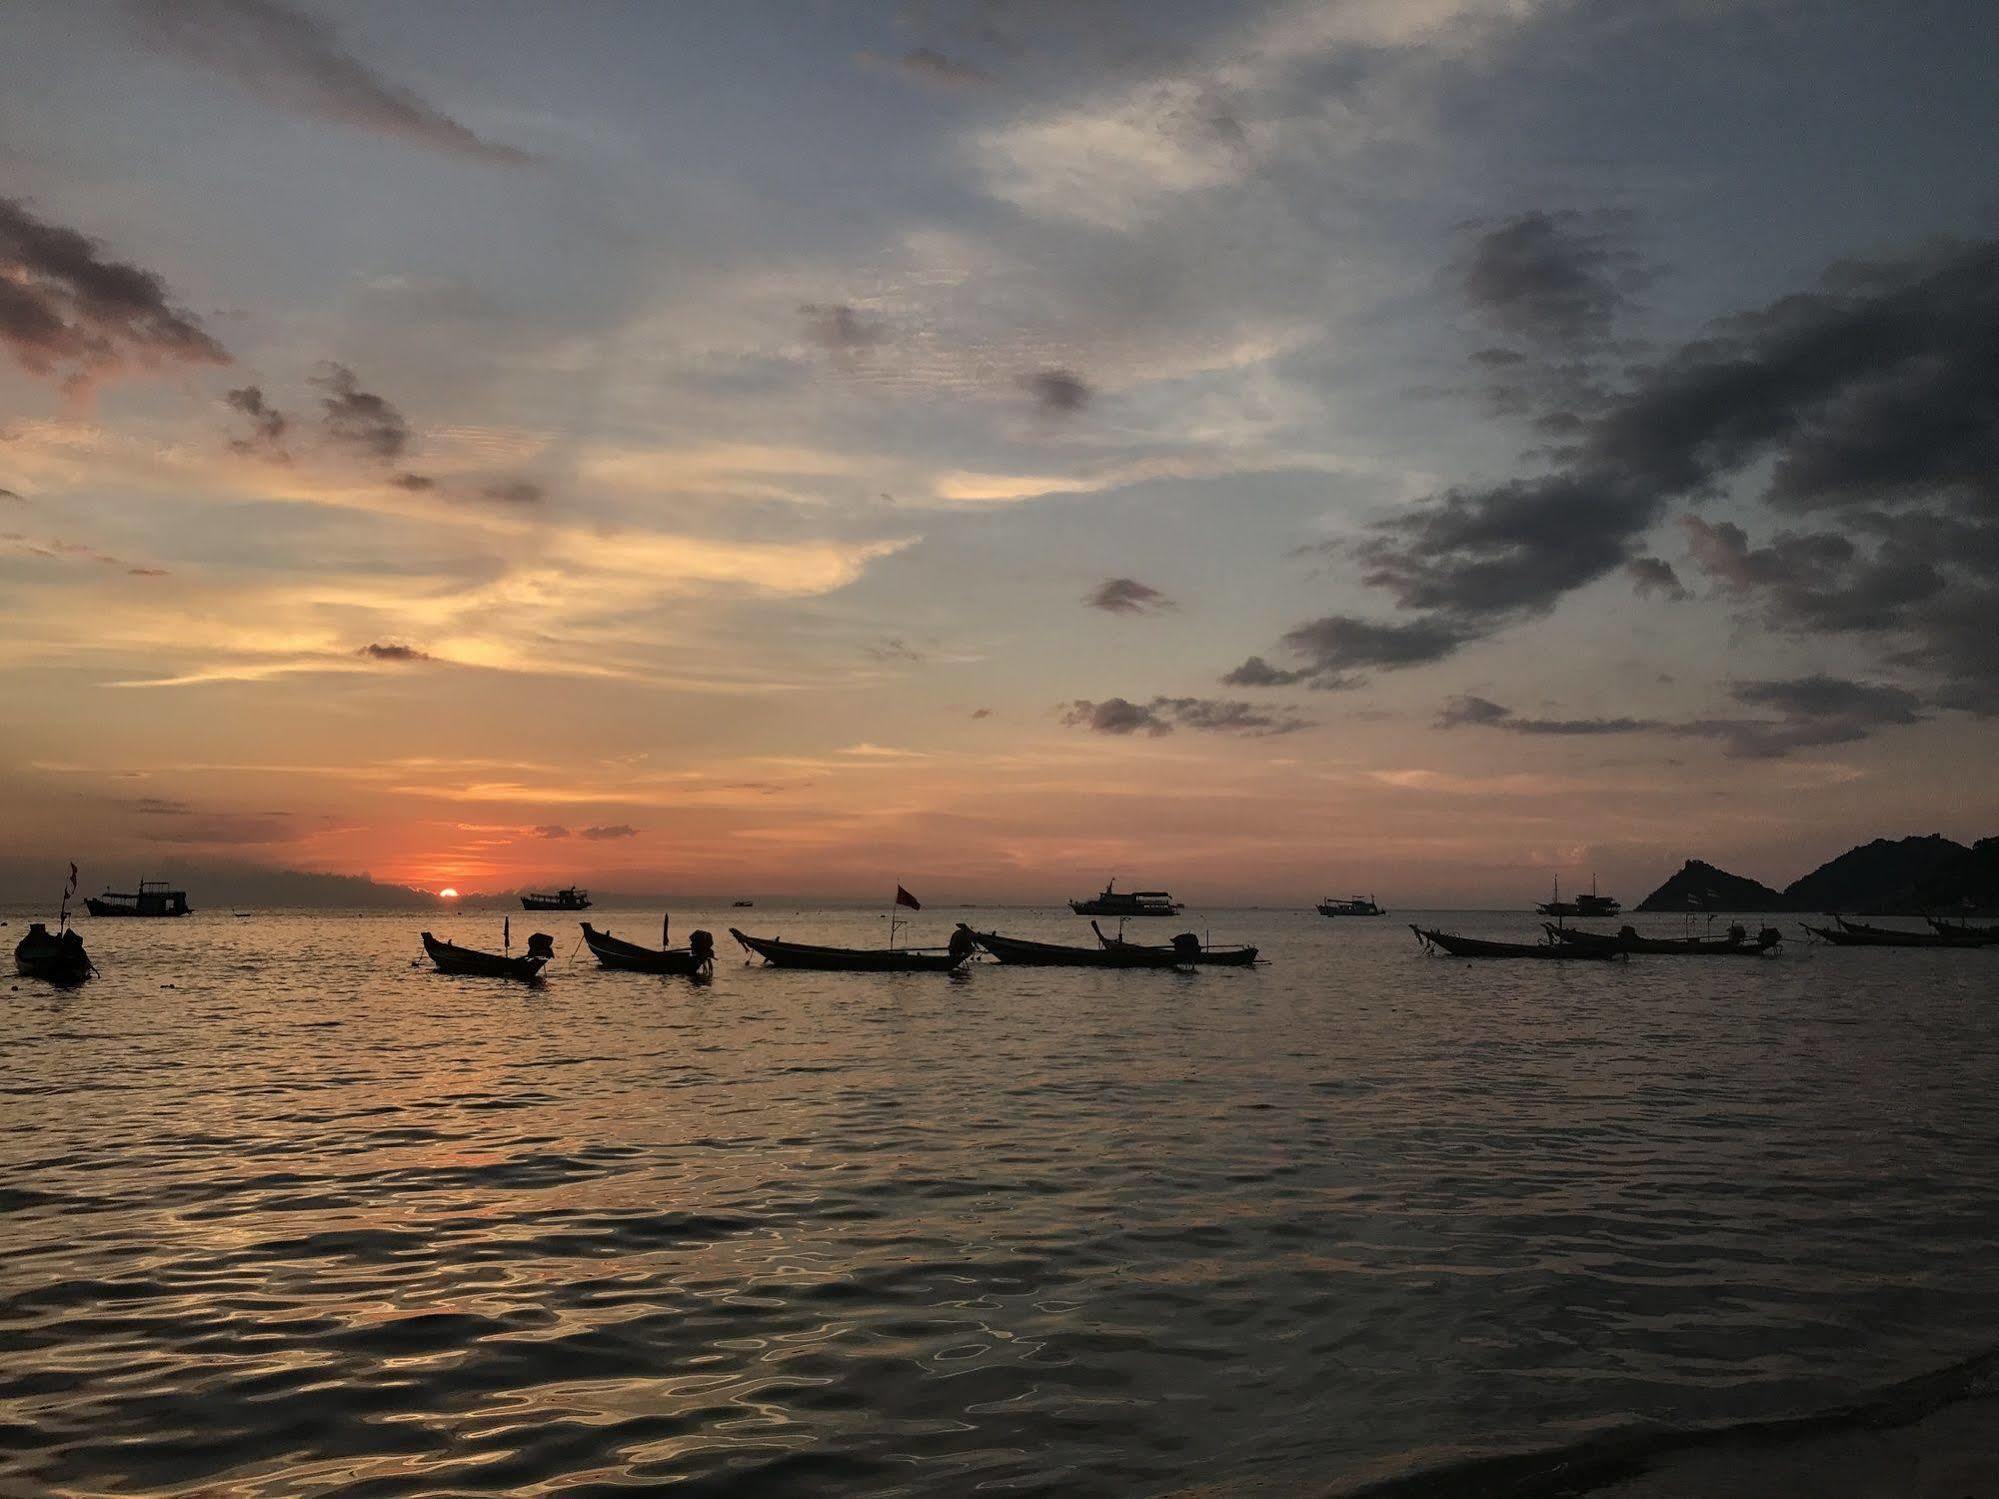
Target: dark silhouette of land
[{"x": 1909, "y": 876}]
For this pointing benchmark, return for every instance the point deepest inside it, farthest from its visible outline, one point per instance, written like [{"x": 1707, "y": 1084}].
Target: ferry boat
[
  {"x": 152, "y": 898},
  {"x": 1583, "y": 905},
  {"x": 570, "y": 899},
  {"x": 1357, "y": 905},
  {"x": 1114, "y": 902}
]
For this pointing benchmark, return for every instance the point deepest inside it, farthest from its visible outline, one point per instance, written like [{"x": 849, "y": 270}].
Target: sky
[{"x": 1418, "y": 447}]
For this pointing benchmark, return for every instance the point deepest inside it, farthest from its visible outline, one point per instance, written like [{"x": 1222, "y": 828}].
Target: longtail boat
[
  {"x": 1185, "y": 948},
  {"x": 467, "y": 962},
  {"x": 780, "y": 954},
  {"x": 42, "y": 954},
  {"x": 1479, "y": 947},
  {"x": 1736, "y": 944},
  {"x": 1018, "y": 950},
  {"x": 615, "y": 952},
  {"x": 1853, "y": 934},
  {"x": 1962, "y": 931}
]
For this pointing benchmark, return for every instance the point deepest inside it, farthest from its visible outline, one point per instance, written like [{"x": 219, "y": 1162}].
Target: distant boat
[
  {"x": 58, "y": 959},
  {"x": 1185, "y": 948},
  {"x": 1963, "y": 931},
  {"x": 743, "y": 905},
  {"x": 571, "y": 899},
  {"x": 1021, "y": 952},
  {"x": 1736, "y": 944},
  {"x": 1586, "y": 906},
  {"x": 469, "y": 962},
  {"x": 1844, "y": 933},
  {"x": 152, "y": 898},
  {"x": 1357, "y": 905},
  {"x": 1114, "y": 902},
  {"x": 1479, "y": 947},
  {"x": 615, "y": 952},
  {"x": 781, "y": 954}
]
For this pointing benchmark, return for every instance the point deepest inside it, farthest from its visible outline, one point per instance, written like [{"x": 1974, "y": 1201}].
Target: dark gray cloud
[
  {"x": 267, "y": 424},
  {"x": 551, "y": 830},
  {"x": 893, "y": 648},
  {"x": 1485, "y": 713},
  {"x": 1058, "y": 392},
  {"x": 1552, "y": 278},
  {"x": 1116, "y": 715},
  {"x": 382, "y": 650},
  {"x": 360, "y": 419},
  {"x": 609, "y": 831},
  {"x": 928, "y": 65},
  {"x": 513, "y": 492},
  {"x": 1812, "y": 386},
  {"x": 1127, "y": 596},
  {"x": 68, "y": 311},
  {"x": 1332, "y": 649},
  {"x": 840, "y": 328},
  {"x": 9, "y": 496},
  {"x": 294, "y": 60},
  {"x": 982, "y": 713},
  {"x": 1655, "y": 575}
]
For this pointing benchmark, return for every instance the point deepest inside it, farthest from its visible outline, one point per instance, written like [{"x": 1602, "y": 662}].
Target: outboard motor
[
  {"x": 702, "y": 945},
  {"x": 962, "y": 945},
  {"x": 1737, "y": 932},
  {"x": 1627, "y": 933},
  {"x": 541, "y": 945},
  {"x": 1770, "y": 935},
  {"x": 1187, "y": 947}
]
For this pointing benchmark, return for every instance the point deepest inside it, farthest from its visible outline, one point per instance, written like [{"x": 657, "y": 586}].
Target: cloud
[
  {"x": 551, "y": 830},
  {"x": 609, "y": 831},
  {"x": 513, "y": 492},
  {"x": 928, "y": 65},
  {"x": 1338, "y": 645},
  {"x": 839, "y": 328},
  {"x": 1653, "y": 575},
  {"x": 1116, "y": 715},
  {"x": 360, "y": 419},
  {"x": 294, "y": 60},
  {"x": 415, "y": 483},
  {"x": 982, "y": 713},
  {"x": 893, "y": 648},
  {"x": 9, "y": 496},
  {"x": 267, "y": 423},
  {"x": 1485, "y": 713},
  {"x": 66, "y": 310},
  {"x": 387, "y": 651},
  {"x": 1554, "y": 279},
  {"x": 1127, "y": 596},
  {"x": 1057, "y": 392}
]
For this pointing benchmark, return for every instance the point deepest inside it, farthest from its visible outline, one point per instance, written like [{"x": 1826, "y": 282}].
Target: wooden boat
[
  {"x": 1853, "y": 934},
  {"x": 1736, "y": 944},
  {"x": 1111, "y": 901},
  {"x": 781, "y": 954},
  {"x": 570, "y": 899},
  {"x": 152, "y": 898},
  {"x": 1357, "y": 905},
  {"x": 1591, "y": 905},
  {"x": 57, "y": 959},
  {"x": 1185, "y": 948},
  {"x": 469, "y": 962},
  {"x": 1962, "y": 931},
  {"x": 1018, "y": 950},
  {"x": 615, "y": 952},
  {"x": 1479, "y": 947}
]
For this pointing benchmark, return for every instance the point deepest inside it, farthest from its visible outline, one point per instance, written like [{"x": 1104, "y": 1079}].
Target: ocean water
[{"x": 284, "y": 1212}]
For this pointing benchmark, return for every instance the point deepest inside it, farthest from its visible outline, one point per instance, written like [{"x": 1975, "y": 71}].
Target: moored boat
[
  {"x": 56, "y": 958},
  {"x": 467, "y": 962},
  {"x": 1737, "y": 944},
  {"x": 1354, "y": 905},
  {"x": 1020, "y": 951},
  {"x": 1844, "y": 933},
  {"x": 1111, "y": 901},
  {"x": 1185, "y": 948},
  {"x": 570, "y": 899},
  {"x": 1962, "y": 931},
  {"x": 152, "y": 898},
  {"x": 1479, "y": 947},
  {"x": 1591, "y": 905},
  {"x": 781, "y": 954},
  {"x": 614, "y": 952}
]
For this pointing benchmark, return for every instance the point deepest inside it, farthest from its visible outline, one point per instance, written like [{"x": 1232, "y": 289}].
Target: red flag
[{"x": 904, "y": 898}]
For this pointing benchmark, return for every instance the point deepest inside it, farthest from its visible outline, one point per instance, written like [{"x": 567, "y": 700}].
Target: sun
[{"x": 447, "y": 893}]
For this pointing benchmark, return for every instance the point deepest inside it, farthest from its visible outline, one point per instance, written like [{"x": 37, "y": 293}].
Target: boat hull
[
  {"x": 52, "y": 959},
  {"x": 1850, "y": 936},
  {"x": 1479, "y": 947},
  {"x": 102, "y": 909},
  {"x": 1665, "y": 947},
  {"x": 1224, "y": 957},
  {"x": 1022, "y": 953},
  {"x": 629, "y": 957},
  {"x": 781, "y": 954},
  {"x": 466, "y": 962},
  {"x": 552, "y": 903}
]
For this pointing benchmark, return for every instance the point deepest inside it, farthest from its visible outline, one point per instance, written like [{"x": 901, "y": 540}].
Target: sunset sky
[{"x": 1261, "y": 450}]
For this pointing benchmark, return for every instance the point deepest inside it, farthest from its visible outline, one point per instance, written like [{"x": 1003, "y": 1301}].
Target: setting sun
[{"x": 447, "y": 893}]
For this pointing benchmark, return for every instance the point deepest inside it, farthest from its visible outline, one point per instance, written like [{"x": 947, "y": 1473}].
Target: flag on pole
[
  {"x": 904, "y": 898},
  {"x": 72, "y": 881}
]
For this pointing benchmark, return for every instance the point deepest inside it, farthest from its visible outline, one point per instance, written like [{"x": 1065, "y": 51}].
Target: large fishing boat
[
  {"x": 1357, "y": 905},
  {"x": 1115, "y": 902},
  {"x": 152, "y": 898},
  {"x": 571, "y": 899},
  {"x": 1584, "y": 906}
]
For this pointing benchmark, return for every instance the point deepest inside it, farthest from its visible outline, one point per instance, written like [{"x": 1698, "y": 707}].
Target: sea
[{"x": 285, "y": 1212}]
